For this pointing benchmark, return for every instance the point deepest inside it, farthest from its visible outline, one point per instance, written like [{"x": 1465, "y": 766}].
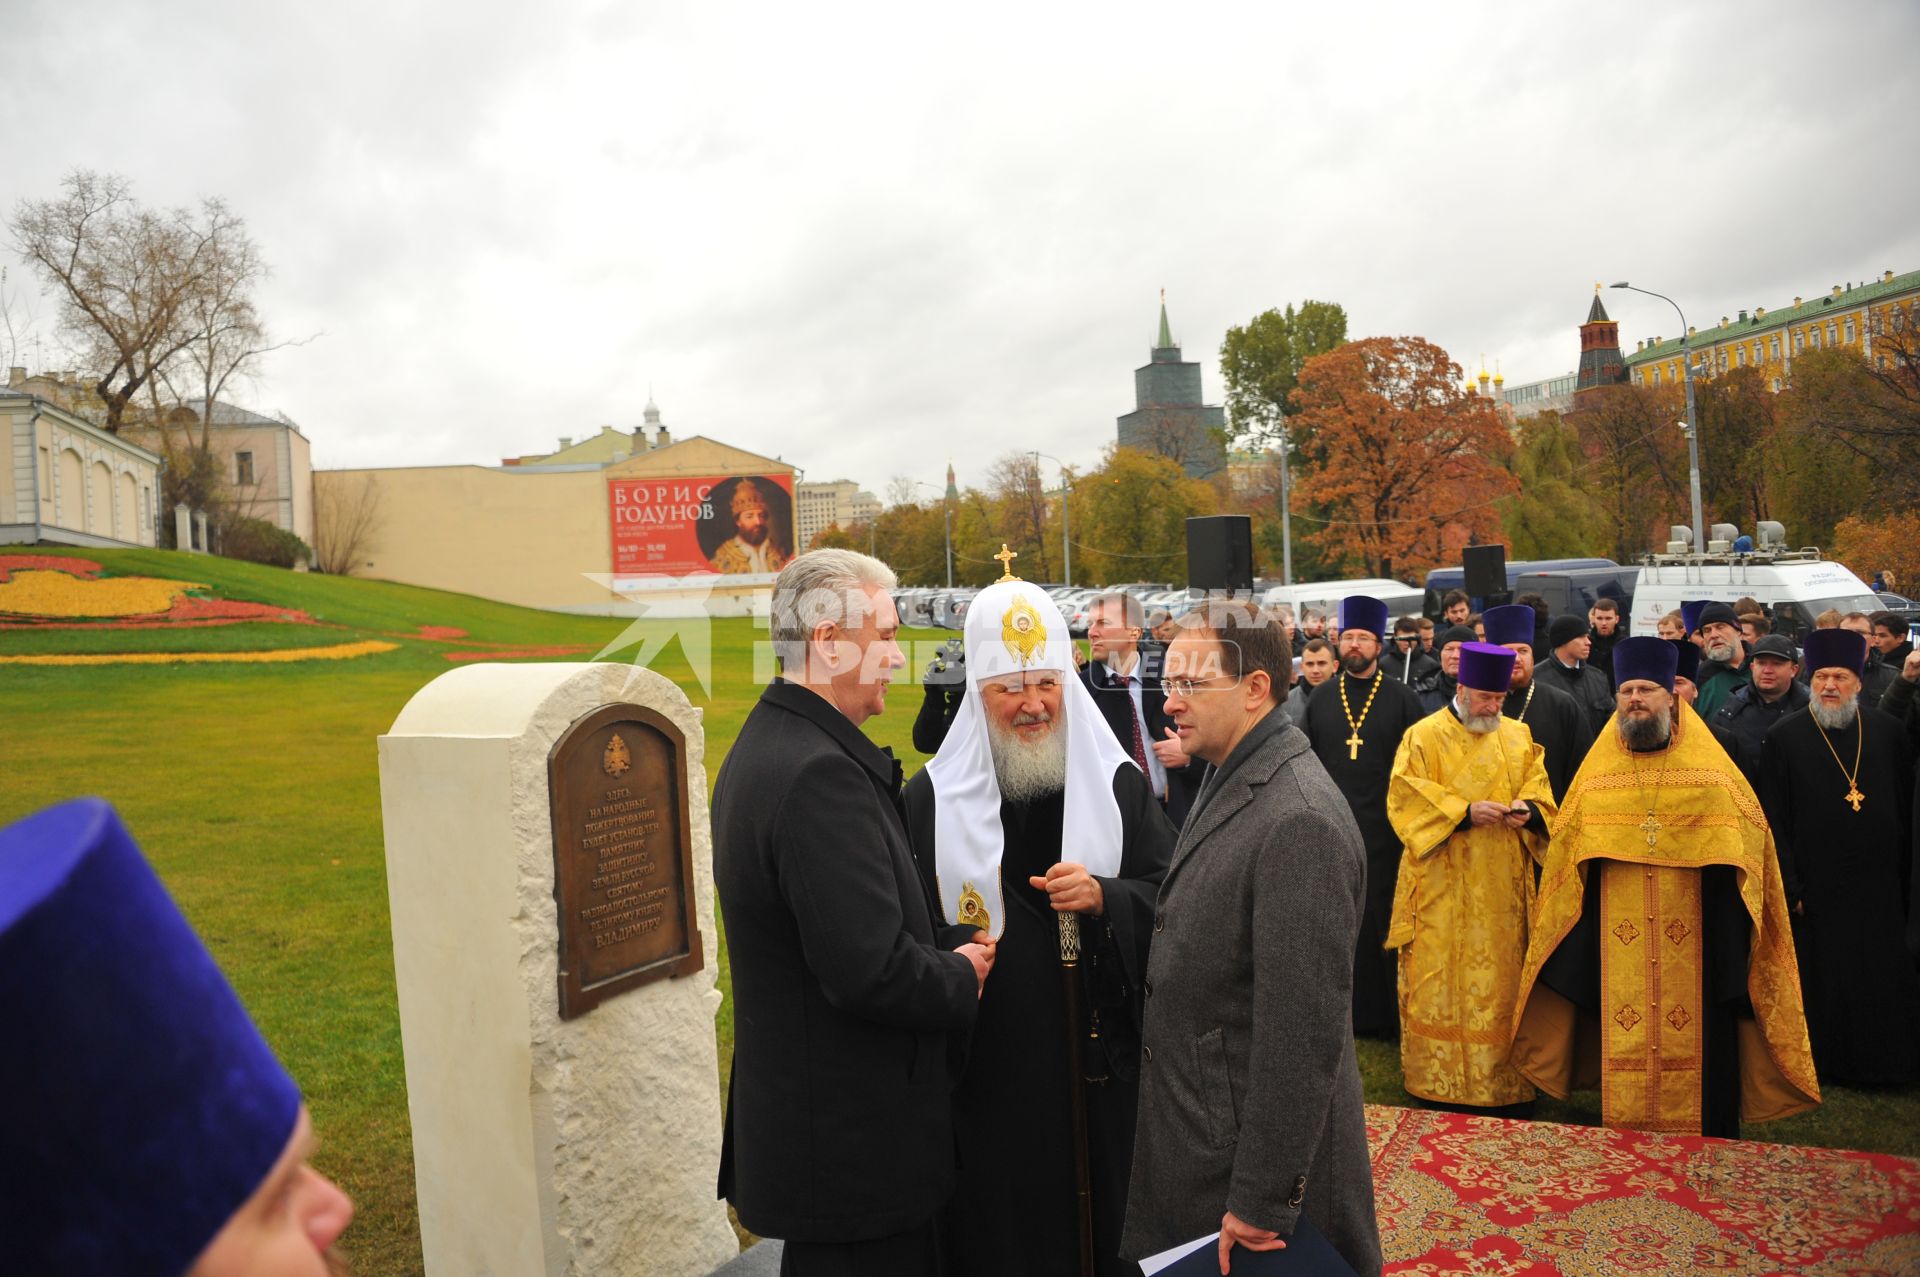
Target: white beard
[
  {"x": 1029, "y": 770},
  {"x": 1837, "y": 719}
]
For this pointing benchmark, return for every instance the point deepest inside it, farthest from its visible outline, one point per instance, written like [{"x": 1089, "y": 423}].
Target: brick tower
[{"x": 1600, "y": 361}]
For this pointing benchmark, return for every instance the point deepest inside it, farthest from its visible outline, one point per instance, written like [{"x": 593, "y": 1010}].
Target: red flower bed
[
  {"x": 440, "y": 632},
  {"x": 189, "y": 608},
  {"x": 11, "y": 563}
]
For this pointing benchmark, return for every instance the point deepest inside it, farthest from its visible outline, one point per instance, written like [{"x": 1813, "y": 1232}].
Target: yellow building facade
[
  {"x": 539, "y": 536},
  {"x": 1850, "y": 316}
]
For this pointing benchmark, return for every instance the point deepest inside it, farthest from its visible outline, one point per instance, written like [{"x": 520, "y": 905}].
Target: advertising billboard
[{"x": 739, "y": 526}]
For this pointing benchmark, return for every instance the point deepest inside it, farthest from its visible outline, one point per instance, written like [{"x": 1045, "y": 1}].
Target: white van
[
  {"x": 1793, "y": 585},
  {"x": 1324, "y": 596}
]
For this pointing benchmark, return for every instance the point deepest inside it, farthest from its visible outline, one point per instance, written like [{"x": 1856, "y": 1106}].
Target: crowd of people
[
  {"x": 1088, "y": 986},
  {"x": 1177, "y": 874}
]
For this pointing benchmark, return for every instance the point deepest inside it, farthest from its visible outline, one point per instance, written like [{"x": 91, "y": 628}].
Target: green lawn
[{"x": 254, "y": 789}]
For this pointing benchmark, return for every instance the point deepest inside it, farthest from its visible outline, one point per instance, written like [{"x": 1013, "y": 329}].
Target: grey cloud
[{"x": 867, "y": 239}]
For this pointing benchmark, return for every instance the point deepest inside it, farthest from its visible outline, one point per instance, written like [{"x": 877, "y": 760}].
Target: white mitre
[{"x": 1012, "y": 628}]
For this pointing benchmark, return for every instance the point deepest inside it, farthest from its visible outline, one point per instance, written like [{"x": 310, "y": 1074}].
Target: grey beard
[
  {"x": 1642, "y": 735},
  {"x": 1721, "y": 652},
  {"x": 1837, "y": 719},
  {"x": 1478, "y": 724},
  {"x": 1029, "y": 771}
]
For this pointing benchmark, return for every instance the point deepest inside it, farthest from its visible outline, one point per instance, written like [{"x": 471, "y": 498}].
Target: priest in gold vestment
[
  {"x": 1661, "y": 965},
  {"x": 1470, "y": 801}
]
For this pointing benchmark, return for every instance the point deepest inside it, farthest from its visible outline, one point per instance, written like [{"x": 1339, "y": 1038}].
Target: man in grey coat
[{"x": 1250, "y": 1106}]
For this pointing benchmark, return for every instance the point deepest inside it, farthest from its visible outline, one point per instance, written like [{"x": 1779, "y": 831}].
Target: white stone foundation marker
[{"x": 581, "y": 1147}]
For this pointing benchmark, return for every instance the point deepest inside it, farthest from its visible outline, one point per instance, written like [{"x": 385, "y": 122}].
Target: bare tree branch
[
  {"x": 137, "y": 286},
  {"x": 348, "y": 513}
]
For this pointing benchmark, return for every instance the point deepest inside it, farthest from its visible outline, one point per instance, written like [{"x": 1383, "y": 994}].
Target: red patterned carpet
[{"x": 1496, "y": 1198}]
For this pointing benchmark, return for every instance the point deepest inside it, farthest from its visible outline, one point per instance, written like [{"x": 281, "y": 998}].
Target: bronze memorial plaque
[{"x": 622, "y": 855}]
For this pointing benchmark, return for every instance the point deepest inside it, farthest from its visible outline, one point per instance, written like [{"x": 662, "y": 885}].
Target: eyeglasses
[{"x": 1183, "y": 687}]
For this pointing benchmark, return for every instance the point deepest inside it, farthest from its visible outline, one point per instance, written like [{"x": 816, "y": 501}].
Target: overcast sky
[{"x": 868, "y": 238}]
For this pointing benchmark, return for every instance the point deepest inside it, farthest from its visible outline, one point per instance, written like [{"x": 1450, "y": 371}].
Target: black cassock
[
  {"x": 1559, "y": 727},
  {"x": 1363, "y": 780},
  {"x": 1854, "y": 872},
  {"x": 1014, "y": 1210}
]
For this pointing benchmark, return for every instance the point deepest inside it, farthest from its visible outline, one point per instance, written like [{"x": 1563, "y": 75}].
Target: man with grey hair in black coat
[{"x": 850, "y": 997}]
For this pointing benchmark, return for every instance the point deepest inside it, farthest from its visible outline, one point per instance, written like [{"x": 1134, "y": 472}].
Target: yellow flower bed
[
  {"x": 41, "y": 593},
  {"x": 338, "y": 652}
]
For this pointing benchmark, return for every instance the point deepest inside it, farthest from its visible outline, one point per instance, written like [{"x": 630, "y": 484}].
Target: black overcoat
[{"x": 846, "y": 1000}]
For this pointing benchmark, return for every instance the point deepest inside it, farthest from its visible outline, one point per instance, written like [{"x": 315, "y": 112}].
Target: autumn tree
[
  {"x": 1735, "y": 411},
  {"x": 1866, "y": 406},
  {"x": 1130, "y": 518},
  {"x": 1870, "y": 545},
  {"x": 977, "y": 536},
  {"x": 1551, "y": 515},
  {"x": 1409, "y": 466},
  {"x": 834, "y": 537},
  {"x": 911, "y": 539},
  {"x": 1813, "y": 482},
  {"x": 1255, "y": 492},
  {"x": 1260, "y": 363},
  {"x": 1021, "y": 499},
  {"x": 1635, "y": 464},
  {"x": 140, "y": 288}
]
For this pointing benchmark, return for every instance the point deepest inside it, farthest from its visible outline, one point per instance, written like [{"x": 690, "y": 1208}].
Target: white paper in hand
[{"x": 1167, "y": 1258}]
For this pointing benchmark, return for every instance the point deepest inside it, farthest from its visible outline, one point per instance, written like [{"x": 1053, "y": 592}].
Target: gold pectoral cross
[
  {"x": 1353, "y": 748},
  {"x": 1854, "y": 795},
  {"x": 1651, "y": 828},
  {"x": 1006, "y": 558}
]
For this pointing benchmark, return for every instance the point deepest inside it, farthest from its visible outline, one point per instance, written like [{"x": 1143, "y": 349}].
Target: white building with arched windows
[{"x": 66, "y": 481}]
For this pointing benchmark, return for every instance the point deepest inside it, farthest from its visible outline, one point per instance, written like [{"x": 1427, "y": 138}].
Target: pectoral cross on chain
[
  {"x": 1353, "y": 747},
  {"x": 1854, "y": 795},
  {"x": 1651, "y": 828}
]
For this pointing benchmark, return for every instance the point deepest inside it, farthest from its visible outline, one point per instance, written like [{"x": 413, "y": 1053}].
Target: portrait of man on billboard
[{"x": 762, "y": 523}]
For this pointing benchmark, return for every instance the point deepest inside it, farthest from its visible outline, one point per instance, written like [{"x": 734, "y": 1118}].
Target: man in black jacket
[
  {"x": 849, "y": 997},
  {"x": 1888, "y": 644},
  {"x": 1604, "y": 617},
  {"x": 1771, "y": 696},
  {"x": 1134, "y": 704},
  {"x": 1567, "y": 668},
  {"x": 1411, "y": 664}
]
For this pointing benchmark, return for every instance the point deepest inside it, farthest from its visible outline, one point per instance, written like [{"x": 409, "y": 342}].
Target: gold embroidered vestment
[
  {"x": 1460, "y": 904},
  {"x": 1649, "y": 824}
]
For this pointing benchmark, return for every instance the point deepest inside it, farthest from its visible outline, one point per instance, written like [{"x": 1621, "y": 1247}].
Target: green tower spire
[{"x": 1166, "y": 331}]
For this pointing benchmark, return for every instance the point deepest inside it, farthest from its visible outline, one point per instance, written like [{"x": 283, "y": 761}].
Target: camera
[{"x": 949, "y": 664}]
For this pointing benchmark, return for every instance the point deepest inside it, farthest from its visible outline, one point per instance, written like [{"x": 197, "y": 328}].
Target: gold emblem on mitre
[
  {"x": 973, "y": 908},
  {"x": 616, "y": 760},
  {"x": 1022, "y": 630}
]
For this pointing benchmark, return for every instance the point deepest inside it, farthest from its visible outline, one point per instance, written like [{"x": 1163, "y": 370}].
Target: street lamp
[
  {"x": 1066, "y": 513},
  {"x": 922, "y": 483},
  {"x": 1693, "y": 428},
  {"x": 1286, "y": 508}
]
